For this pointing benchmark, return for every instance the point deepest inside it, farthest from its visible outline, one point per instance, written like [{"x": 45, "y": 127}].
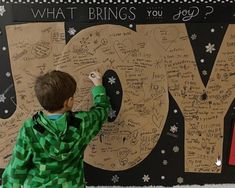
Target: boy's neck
[{"x": 62, "y": 111}]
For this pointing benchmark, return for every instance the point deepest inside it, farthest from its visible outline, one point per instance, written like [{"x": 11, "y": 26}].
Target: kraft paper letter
[
  {"x": 128, "y": 140},
  {"x": 34, "y": 49},
  {"x": 203, "y": 108}
]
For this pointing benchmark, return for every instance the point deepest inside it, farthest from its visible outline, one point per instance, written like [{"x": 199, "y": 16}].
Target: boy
[{"x": 50, "y": 146}]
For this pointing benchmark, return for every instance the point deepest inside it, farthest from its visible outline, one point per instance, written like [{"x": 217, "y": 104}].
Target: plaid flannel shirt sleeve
[{"x": 17, "y": 169}]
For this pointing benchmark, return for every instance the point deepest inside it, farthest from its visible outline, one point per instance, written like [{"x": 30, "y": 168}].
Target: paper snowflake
[
  {"x": 204, "y": 72},
  {"x": 117, "y": 92},
  {"x": 112, "y": 80},
  {"x": 164, "y": 162},
  {"x": 2, "y": 98},
  {"x": 180, "y": 180},
  {"x": 194, "y": 36},
  {"x": 174, "y": 129},
  {"x": 2, "y": 10},
  {"x": 8, "y": 74},
  {"x": 72, "y": 31},
  {"x": 210, "y": 48},
  {"x": 112, "y": 113},
  {"x": 146, "y": 178},
  {"x": 176, "y": 149},
  {"x": 115, "y": 179}
]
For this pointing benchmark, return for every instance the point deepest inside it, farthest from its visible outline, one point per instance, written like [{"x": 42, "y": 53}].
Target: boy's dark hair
[{"x": 53, "y": 88}]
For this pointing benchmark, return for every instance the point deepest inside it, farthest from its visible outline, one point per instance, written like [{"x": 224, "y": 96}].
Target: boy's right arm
[{"x": 97, "y": 115}]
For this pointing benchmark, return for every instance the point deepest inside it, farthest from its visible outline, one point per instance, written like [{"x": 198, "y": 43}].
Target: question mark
[{"x": 211, "y": 10}]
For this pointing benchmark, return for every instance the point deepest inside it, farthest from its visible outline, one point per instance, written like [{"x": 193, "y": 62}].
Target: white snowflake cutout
[
  {"x": 2, "y": 10},
  {"x": 164, "y": 162},
  {"x": 180, "y": 180},
  {"x": 210, "y": 48},
  {"x": 194, "y": 36},
  {"x": 112, "y": 80},
  {"x": 112, "y": 113},
  {"x": 146, "y": 178},
  {"x": 174, "y": 129},
  {"x": 115, "y": 179},
  {"x": 204, "y": 72},
  {"x": 8, "y": 74},
  {"x": 2, "y": 98},
  {"x": 176, "y": 149},
  {"x": 72, "y": 31}
]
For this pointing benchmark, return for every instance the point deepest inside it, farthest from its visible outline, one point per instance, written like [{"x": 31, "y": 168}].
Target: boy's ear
[{"x": 68, "y": 103}]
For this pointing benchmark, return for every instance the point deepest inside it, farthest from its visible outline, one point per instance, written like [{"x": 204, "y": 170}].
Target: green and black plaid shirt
[{"x": 49, "y": 153}]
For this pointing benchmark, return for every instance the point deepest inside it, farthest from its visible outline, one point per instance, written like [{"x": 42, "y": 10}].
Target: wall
[{"x": 168, "y": 69}]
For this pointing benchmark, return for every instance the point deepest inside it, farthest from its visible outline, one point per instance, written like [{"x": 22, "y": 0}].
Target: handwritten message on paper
[
  {"x": 203, "y": 108},
  {"x": 129, "y": 139},
  {"x": 34, "y": 49}
]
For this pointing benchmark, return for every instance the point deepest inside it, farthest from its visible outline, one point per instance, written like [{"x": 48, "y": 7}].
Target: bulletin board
[{"x": 169, "y": 70}]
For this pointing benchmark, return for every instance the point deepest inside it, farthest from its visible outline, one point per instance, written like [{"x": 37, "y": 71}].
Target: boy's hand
[{"x": 96, "y": 78}]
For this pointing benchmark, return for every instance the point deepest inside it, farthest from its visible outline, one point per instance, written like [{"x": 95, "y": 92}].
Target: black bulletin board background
[{"x": 164, "y": 166}]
